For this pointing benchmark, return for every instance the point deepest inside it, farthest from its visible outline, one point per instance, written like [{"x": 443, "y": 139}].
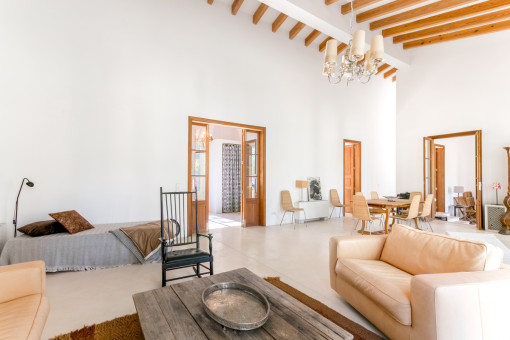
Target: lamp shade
[
  {"x": 377, "y": 48},
  {"x": 330, "y": 57},
  {"x": 358, "y": 44},
  {"x": 458, "y": 189},
  {"x": 301, "y": 184}
]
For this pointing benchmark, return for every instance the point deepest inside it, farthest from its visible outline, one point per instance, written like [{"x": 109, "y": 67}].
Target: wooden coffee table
[{"x": 176, "y": 312}]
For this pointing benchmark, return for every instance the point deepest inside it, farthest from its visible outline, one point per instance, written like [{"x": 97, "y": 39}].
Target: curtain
[{"x": 231, "y": 178}]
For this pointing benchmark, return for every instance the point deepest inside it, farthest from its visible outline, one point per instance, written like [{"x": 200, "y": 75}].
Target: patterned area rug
[{"x": 128, "y": 327}]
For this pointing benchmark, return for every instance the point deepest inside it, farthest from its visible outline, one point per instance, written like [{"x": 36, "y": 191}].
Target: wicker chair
[
  {"x": 427, "y": 210},
  {"x": 289, "y": 207},
  {"x": 411, "y": 196},
  {"x": 361, "y": 212},
  {"x": 335, "y": 202},
  {"x": 376, "y": 211},
  {"x": 412, "y": 214}
]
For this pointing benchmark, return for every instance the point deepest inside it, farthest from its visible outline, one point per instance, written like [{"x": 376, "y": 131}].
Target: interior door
[
  {"x": 440, "y": 171},
  {"x": 357, "y": 167},
  {"x": 348, "y": 175},
  {"x": 251, "y": 178},
  {"x": 478, "y": 142},
  {"x": 198, "y": 171},
  {"x": 429, "y": 166}
]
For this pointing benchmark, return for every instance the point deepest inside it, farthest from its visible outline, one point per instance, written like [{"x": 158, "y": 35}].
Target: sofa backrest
[{"x": 418, "y": 252}]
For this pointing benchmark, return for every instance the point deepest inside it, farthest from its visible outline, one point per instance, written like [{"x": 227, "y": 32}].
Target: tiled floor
[{"x": 299, "y": 256}]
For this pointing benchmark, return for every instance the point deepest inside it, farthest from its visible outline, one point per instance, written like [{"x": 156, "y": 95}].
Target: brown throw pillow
[
  {"x": 42, "y": 228},
  {"x": 72, "y": 221}
]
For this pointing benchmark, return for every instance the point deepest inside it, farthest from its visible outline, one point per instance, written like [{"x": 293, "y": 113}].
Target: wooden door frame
[
  {"x": 262, "y": 143},
  {"x": 444, "y": 171},
  {"x": 478, "y": 156},
  {"x": 343, "y": 167}
]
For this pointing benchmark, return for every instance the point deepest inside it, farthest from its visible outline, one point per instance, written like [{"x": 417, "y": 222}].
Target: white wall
[
  {"x": 460, "y": 166},
  {"x": 95, "y": 97},
  {"x": 453, "y": 87}
]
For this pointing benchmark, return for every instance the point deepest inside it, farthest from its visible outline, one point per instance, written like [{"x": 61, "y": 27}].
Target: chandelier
[{"x": 355, "y": 63}]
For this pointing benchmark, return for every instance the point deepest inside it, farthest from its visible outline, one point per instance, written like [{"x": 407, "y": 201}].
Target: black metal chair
[{"x": 179, "y": 229}]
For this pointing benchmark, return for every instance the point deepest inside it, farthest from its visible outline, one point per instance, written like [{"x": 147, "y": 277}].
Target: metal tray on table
[{"x": 235, "y": 305}]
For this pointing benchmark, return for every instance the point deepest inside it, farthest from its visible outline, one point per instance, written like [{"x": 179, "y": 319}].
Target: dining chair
[
  {"x": 411, "y": 196},
  {"x": 427, "y": 211},
  {"x": 335, "y": 202},
  {"x": 361, "y": 212},
  {"x": 289, "y": 207},
  {"x": 377, "y": 211},
  {"x": 412, "y": 214}
]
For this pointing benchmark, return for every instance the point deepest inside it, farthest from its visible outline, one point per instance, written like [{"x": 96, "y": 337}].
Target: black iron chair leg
[
  {"x": 198, "y": 271},
  {"x": 163, "y": 278},
  {"x": 211, "y": 267}
]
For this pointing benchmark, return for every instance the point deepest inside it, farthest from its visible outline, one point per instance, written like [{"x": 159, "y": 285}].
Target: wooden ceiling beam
[
  {"x": 259, "y": 13},
  {"x": 382, "y": 68},
  {"x": 295, "y": 30},
  {"x": 419, "y": 12},
  {"x": 390, "y": 73},
  {"x": 279, "y": 21},
  {"x": 236, "y": 5},
  {"x": 442, "y": 18},
  {"x": 455, "y": 26},
  {"x": 357, "y": 4},
  {"x": 329, "y": 2},
  {"x": 322, "y": 45},
  {"x": 340, "y": 48},
  {"x": 311, "y": 37},
  {"x": 470, "y": 32},
  {"x": 210, "y": 2},
  {"x": 388, "y": 8},
  {"x": 394, "y": 79}
]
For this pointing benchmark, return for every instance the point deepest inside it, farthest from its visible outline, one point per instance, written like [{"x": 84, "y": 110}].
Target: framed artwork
[{"x": 314, "y": 189}]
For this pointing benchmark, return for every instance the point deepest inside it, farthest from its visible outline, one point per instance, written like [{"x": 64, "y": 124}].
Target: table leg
[{"x": 386, "y": 220}]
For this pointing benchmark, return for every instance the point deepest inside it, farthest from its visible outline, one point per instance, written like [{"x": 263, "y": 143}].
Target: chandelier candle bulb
[
  {"x": 358, "y": 44},
  {"x": 377, "y": 48}
]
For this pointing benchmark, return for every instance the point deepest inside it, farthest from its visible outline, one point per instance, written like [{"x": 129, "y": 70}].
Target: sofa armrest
[
  {"x": 354, "y": 247},
  {"x": 22, "y": 279},
  {"x": 468, "y": 305}
]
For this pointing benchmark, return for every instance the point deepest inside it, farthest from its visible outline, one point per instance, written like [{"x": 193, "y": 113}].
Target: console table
[{"x": 314, "y": 210}]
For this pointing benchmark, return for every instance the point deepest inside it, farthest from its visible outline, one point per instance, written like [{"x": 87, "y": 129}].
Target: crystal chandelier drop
[{"x": 355, "y": 64}]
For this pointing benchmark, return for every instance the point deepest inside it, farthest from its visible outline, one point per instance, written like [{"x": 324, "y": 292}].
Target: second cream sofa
[{"x": 417, "y": 285}]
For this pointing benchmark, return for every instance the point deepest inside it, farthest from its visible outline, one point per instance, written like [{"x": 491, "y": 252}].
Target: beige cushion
[
  {"x": 418, "y": 252},
  {"x": 387, "y": 286}
]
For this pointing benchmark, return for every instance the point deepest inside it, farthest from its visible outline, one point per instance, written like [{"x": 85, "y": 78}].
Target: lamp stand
[
  {"x": 505, "y": 219},
  {"x": 15, "y": 218}
]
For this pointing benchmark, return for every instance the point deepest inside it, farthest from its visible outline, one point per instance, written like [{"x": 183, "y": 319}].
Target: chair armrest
[
  {"x": 354, "y": 247},
  {"x": 209, "y": 236},
  {"x": 22, "y": 279},
  {"x": 469, "y": 305}
]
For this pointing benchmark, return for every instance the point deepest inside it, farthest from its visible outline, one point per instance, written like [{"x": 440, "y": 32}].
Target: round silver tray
[{"x": 235, "y": 305}]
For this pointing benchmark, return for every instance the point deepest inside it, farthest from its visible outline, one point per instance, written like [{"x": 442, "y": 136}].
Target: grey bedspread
[{"x": 90, "y": 249}]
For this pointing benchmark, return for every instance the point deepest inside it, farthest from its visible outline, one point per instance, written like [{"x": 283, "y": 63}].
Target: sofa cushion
[
  {"x": 17, "y": 316},
  {"x": 385, "y": 285},
  {"x": 418, "y": 252}
]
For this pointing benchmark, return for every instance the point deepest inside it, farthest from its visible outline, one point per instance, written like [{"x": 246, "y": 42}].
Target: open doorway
[
  {"x": 352, "y": 171},
  {"x": 227, "y": 169},
  {"x": 225, "y": 163},
  {"x": 453, "y": 173}
]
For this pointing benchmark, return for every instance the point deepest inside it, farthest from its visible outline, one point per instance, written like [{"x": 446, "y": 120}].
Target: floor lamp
[
  {"x": 15, "y": 219},
  {"x": 302, "y": 185}
]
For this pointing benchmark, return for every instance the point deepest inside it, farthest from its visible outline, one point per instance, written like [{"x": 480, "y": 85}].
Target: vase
[{"x": 505, "y": 219}]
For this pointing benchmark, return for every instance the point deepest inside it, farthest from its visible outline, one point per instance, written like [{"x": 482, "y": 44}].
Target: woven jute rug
[{"x": 128, "y": 327}]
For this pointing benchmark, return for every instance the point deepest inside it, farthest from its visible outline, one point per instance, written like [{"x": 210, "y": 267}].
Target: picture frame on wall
[{"x": 314, "y": 189}]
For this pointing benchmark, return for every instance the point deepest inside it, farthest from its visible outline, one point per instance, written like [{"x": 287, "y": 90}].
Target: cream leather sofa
[
  {"x": 417, "y": 285},
  {"x": 23, "y": 306}
]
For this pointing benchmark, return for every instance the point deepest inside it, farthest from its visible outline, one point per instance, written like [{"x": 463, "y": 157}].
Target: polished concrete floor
[{"x": 299, "y": 256}]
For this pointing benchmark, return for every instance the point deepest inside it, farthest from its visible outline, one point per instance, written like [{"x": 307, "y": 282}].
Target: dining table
[{"x": 388, "y": 206}]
